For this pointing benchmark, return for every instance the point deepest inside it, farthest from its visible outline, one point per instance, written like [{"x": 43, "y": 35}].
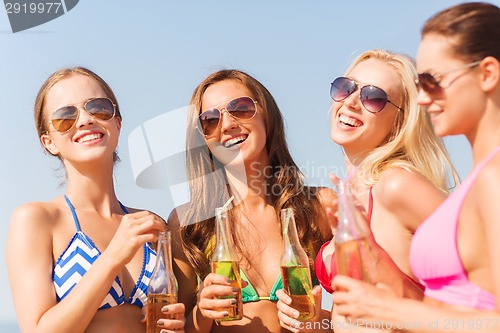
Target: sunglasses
[
  {"x": 238, "y": 108},
  {"x": 63, "y": 119},
  {"x": 430, "y": 83},
  {"x": 373, "y": 98}
]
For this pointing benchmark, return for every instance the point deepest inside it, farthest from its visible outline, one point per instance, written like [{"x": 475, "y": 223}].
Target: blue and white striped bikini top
[{"x": 81, "y": 253}]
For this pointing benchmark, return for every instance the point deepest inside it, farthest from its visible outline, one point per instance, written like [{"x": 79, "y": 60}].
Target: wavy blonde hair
[{"x": 412, "y": 144}]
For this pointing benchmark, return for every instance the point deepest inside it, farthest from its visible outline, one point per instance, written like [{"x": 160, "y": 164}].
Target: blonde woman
[
  {"x": 397, "y": 165},
  {"x": 455, "y": 252}
]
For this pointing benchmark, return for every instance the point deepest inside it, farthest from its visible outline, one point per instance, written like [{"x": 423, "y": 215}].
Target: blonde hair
[{"x": 412, "y": 144}]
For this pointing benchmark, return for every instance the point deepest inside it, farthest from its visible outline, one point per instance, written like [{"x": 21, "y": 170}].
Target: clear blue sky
[{"x": 153, "y": 54}]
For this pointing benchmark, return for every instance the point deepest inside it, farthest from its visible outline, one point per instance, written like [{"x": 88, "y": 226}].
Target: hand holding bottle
[
  {"x": 175, "y": 310},
  {"x": 216, "y": 296},
  {"x": 288, "y": 316},
  {"x": 225, "y": 265},
  {"x": 134, "y": 230}
]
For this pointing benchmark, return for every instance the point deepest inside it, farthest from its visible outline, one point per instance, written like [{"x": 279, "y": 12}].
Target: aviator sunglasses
[
  {"x": 238, "y": 108},
  {"x": 63, "y": 119},
  {"x": 373, "y": 98},
  {"x": 430, "y": 83}
]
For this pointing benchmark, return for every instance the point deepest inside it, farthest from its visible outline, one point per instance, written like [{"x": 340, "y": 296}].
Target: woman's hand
[
  {"x": 216, "y": 294},
  {"x": 360, "y": 302},
  {"x": 134, "y": 230},
  {"x": 288, "y": 315},
  {"x": 174, "y": 319}
]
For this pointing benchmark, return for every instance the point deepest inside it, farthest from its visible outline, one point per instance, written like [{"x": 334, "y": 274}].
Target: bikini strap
[
  {"x": 123, "y": 207},
  {"x": 75, "y": 218}
]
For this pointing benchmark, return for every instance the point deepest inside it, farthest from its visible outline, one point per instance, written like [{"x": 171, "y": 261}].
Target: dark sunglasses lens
[
  {"x": 64, "y": 118},
  {"x": 373, "y": 98},
  {"x": 428, "y": 83},
  {"x": 242, "y": 108},
  {"x": 209, "y": 120},
  {"x": 100, "y": 108},
  {"x": 341, "y": 88}
]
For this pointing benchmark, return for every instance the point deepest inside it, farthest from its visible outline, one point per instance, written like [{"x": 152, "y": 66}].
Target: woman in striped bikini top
[{"x": 94, "y": 280}]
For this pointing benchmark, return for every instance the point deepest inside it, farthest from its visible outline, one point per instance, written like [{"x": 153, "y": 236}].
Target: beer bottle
[
  {"x": 225, "y": 262},
  {"x": 352, "y": 240},
  {"x": 162, "y": 288},
  {"x": 295, "y": 269}
]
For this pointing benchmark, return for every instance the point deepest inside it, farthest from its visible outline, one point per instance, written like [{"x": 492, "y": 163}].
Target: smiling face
[
  {"x": 89, "y": 138},
  {"x": 235, "y": 137},
  {"x": 460, "y": 98},
  {"x": 353, "y": 127}
]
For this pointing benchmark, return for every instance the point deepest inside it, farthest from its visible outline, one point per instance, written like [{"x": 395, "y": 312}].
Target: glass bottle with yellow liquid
[
  {"x": 352, "y": 239},
  {"x": 295, "y": 269},
  {"x": 162, "y": 288},
  {"x": 225, "y": 262}
]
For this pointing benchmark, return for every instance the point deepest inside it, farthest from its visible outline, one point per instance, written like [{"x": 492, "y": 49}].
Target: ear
[
  {"x": 490, "y": 70},
  {"x": 119, "y": 123},
  {"x": 49, "y": 145}
]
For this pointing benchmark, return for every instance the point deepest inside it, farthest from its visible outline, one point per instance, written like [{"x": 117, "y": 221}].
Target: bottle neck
[
  {"x": 224, "y": 248},
  {"x": 164, "y": 249},
  {"x": 290, "y": 235},
  {"x": 351, "y": 224}
]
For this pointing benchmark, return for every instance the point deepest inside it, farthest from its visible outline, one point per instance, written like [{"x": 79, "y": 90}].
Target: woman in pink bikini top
[{"x": 455, "y": 253}]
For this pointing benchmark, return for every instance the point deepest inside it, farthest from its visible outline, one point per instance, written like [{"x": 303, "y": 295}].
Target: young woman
[
  {"x": 394, "y": 161},
  {"x": 236, "y": 146},
  {"x": 455, "y": 252},
  {"x": 81, "y": 262}
]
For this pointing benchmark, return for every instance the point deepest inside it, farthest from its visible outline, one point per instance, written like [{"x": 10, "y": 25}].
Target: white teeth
[
  {"x": 90, "y": 137},
  {"x": 234, "y": 141},
  {"x": 350, "y": 121}
]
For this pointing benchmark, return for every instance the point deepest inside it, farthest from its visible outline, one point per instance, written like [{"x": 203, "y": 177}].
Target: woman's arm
[
  {"x": 377, "y": 306},
  {"x": 407, "y": 198}
]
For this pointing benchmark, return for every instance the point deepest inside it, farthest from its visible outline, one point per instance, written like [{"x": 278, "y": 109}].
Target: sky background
[{"x": 153, "y": 54}]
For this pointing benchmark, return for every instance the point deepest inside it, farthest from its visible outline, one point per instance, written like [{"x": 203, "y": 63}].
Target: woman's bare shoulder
[
  {"x": 324, "y": 194},
  {"x": 399, "y": 186},
  {"x": 35, "y": 214}
]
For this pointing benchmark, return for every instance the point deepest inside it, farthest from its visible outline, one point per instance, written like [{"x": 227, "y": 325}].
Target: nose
[
  {"x": 228, "y": 122},
  {"x": 423, "y": 98},
  {"x": 84, "y": 118},
  {"x": 353, "y": 101}
]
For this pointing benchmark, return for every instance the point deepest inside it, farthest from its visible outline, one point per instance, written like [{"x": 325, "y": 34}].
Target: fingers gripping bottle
[
  {"x": 225, "y": 262},
  {"x": 162, "y": 288},
  {"x": 352, "y": 244},
  {"x": 295, "y": 269}
]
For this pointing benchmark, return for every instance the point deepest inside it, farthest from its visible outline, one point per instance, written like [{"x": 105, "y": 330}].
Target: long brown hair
[{"x": 207, "y": 193}]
